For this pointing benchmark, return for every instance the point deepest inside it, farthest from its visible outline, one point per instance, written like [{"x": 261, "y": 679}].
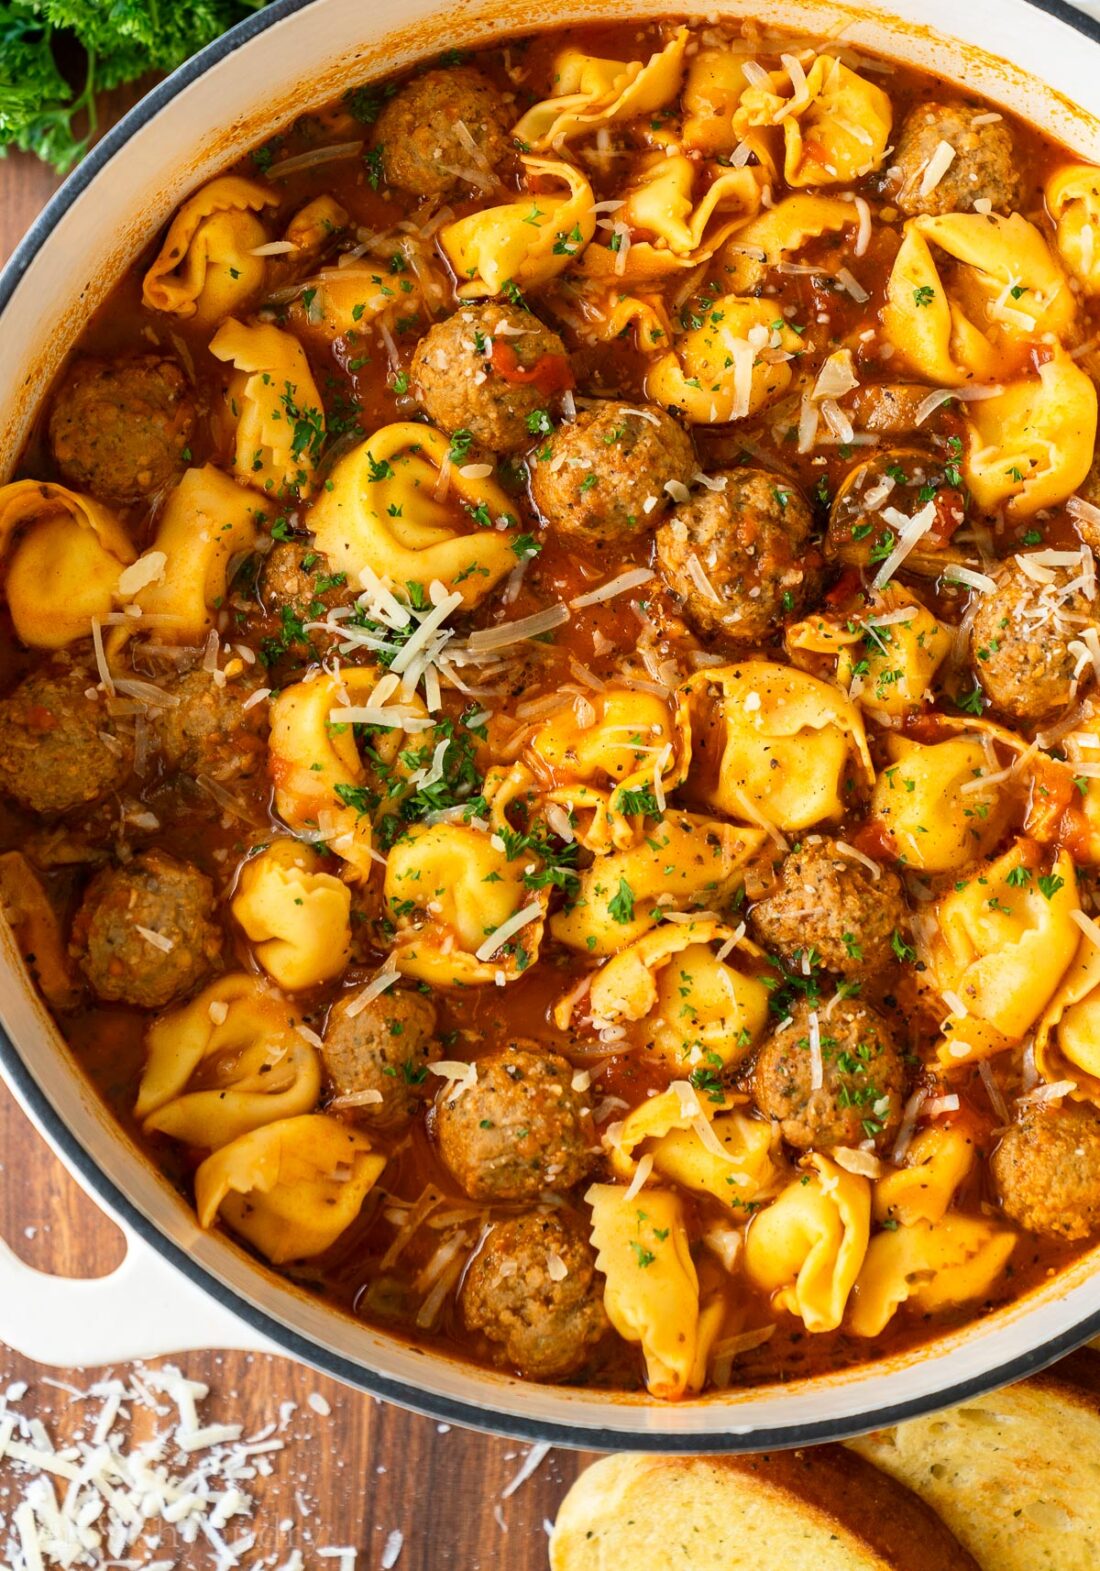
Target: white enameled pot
[{"x": 182, "y": 1288}]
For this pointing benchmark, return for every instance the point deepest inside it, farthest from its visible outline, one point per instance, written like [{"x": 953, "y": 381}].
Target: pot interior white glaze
[{"x": 288, "y": 59}]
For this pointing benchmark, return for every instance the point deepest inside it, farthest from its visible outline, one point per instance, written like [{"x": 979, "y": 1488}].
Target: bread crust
[{"x": 821, "y": 1508}]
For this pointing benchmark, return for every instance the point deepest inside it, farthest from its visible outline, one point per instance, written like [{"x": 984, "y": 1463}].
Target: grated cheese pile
[{"x": 142, "y": 1480}]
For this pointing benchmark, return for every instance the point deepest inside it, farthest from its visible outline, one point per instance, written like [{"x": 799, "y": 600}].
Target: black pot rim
[{"x": 429, "y": 1403}]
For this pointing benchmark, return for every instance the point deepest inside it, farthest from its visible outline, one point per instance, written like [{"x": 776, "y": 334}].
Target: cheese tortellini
[
  {"x": 835, "y": 123},
  {"x": 697, "y": 1010},
  {"x": 780, "y": 232},
  {"x": 296, "y": 915},
  {"x": 207, "y": 522},
  {"x": 937, "y": 1161},
  {"x": 932, "y": 800},
  {"x": 708, "y": 1147},
  {"x": 1067, "y": 1038},
  {"x": 979, "y": 319},
  {"x": 207, "y": 267},
  {"x": 773, "y": 745},
  {"x": 594, "y": 93},
  {"x": 290, "y": 1188},
  {"x": 62, "y": 556},
  {"x": 240, "y": 1040},
  {"x": 997, "y": 946},
  {"x": 808, "y": 1246},
  {"x": 461, "y": 907},
  {"x": 652, "y": 1291},
  {"x": 1073, "y": 201},
  {"x": 886, "y": 658},
  {"x": 684, "y": 862},
  {"x": 930, "y": 1265},
  {"x": 730, "y": 367},
  {"x": 1032, "y": 446},
  {"x": 274, "y": 405},
  {"x": 527, "y": 241},
  {"x": 380, "y": 511},
  {"x": 680, "y": 229}
]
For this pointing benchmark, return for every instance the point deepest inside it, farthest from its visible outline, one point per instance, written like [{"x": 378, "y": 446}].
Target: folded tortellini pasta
[
  {"x": 652, "y": 1288},
  {"x": 296, "y": 915},
  {"x": 274, "y": 408},
  {"x": 674, "y": 227},
  {"x": 1073, "y": 202},
  {"x": 207, "y": 267},
  {"x": 628, "y": 743},
  {"x": 698, "y": 1141},
  {"x": 997, "y": 945},
  {"x": 835, "y": 124},
  {"x": 312, "y": 227},
  {"x": 684, "y": 862},
  {"x": 772, "y": 744},
  {"x": 462, "y": 911},
  {"x": 978, "y": 317},
  {"x": 779, "y": 234},
  {"x": 1067, "y": 1038},
  {"x": 932, "y": 800},
  {"x": 37, "y": 930},
  {"x": 808, "y": 1246},
  {"x": 594, "y": 93},
  {"x": 930, "y": 1265},
  {"x": 1032, "y": 446},
  {"x": 381, "y": 509},
  {"x": 614, "y": 313},
  {"x": 321, "y": 787},
  {"x": 711, "y": 94},
  {"x": 886, "y": 657},
  {"x": 525, "y": 242},
  {"x": 62, "y": 555},
  {"x": 239, "y": 1041},
  {"x": 698, "y": 1011},
  {"x": 290, "y": 1188},
  {"x": 339, "y": 301},
  {"x": 730, "y": 367},
  {"x": 207, "y": 522},
  {"x": 937, "y": 1161}
]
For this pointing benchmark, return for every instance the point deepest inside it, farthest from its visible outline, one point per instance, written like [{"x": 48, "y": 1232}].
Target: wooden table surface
[{"x": 370, "y": 1468}]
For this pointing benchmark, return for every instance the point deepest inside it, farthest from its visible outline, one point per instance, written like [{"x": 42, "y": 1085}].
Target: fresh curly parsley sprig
[{"x": 118, "y": 40}]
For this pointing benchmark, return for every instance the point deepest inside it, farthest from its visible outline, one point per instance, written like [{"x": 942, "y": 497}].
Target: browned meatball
[
  {"x": 58, "y": 746},
  {"x": 121, "y": 428},
  {"x": 494, "y": 371},
  {"x": 737, "y": 558},
  {"x": 519, "y": 1130},
  {"x": 1047, "y": 1170},
  {"x": 601, "y": 478},
  {"x": 863, "y": 1077},
  {"x": 1020, "y": 638},
  {"x": 984, "y": 167},
  {"x": 532, "y": 1288},
  {"x": 829, "y": 904},
  {"x": 144, "y": 934},
  {"x": 296, "y": 586},
  {"x": 208, "y": 731},
  {"x": 385, "y": 1048},
  {"x": 423, "y": 135}
]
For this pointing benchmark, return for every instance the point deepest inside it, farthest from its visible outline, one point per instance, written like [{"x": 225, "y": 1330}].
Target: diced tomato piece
[{"x": 550, "y": 373}]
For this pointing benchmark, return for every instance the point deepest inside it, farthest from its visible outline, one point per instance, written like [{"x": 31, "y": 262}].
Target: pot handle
[{"x": 145, "y": 1308}]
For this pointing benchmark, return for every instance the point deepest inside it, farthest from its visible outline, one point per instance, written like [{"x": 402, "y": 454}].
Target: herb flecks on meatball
[
  {"x": 121, "y": 429},
  {"x": 59, "y": 747},
  {"x": 145, "y": 933},
  {"x": 608, "y": 476},
  {"x": 384, "y": 1051},
  {"x": 828, "y": 902},
  {"x": 848, "y": 1048},
  {"x": 494, "y": 372},
  {"x": 738, "y": 557},
  {"x": 446, "y": 129},
  {"x": 532, "y": 1288},
  {"x": 519, "y": 1129}
]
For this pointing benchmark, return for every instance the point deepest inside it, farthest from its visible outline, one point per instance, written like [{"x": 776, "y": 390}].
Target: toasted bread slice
[
  {"x": 1015, "y": 1475},
  {"x": 819, "y": 1510}
]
